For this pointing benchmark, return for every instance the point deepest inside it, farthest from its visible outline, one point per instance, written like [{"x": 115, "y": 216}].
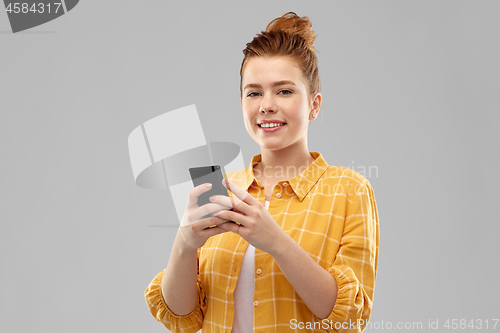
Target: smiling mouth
[{"x": 271, "y": 125}]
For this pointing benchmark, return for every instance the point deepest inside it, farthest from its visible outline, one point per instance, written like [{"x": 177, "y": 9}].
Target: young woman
[{"x": 304, "y": 249}]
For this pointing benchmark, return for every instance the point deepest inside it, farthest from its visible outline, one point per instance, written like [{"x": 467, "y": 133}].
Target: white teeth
[{"x": 265, "y": 125}]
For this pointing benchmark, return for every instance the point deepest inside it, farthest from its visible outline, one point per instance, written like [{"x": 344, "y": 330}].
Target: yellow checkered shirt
[{"x": 331, "y": 213}]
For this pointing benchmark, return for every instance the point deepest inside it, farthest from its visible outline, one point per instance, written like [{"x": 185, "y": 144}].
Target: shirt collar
[{"x": 301, "y": 184}]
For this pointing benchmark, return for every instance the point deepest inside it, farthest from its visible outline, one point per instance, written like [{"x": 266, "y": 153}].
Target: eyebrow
[{"x": 274, "y": 84}]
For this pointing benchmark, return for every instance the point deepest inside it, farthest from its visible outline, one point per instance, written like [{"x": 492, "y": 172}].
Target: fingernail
[
  {"x": 209, "y": 185},
  {"x": 211, "y": 198}
]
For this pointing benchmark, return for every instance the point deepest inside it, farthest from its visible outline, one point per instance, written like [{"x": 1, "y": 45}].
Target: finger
[
  {"x": 204, "y": 223},
  {"x": 235, "y": 217},
  {"x": 218, "y": 221},
  {"x": 230, "y": 227},
  {"x": 240, "y": 193},
  {"x": 194, "y": 193},
  {"x": 213, "y": 231},
  {"x": 236, "y": 203},
  {"x": 222, "y": 221},
  {"x": 219, "y": 212},
  {"x": 207, "y": 209},
  {"x": 222, "y": 209},
  {"x": 199, "y": 214},
  {"x": 227, "y": 201}
]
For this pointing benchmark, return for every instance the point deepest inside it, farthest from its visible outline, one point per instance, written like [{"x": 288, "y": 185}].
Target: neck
[{"x": 285, "y": 163}]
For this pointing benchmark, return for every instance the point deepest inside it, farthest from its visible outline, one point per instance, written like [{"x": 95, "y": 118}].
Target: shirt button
[
  {"x": 259, "y": 270},
  {"x": 285, "y": 184},
  {"x": 278, "y": 195},
  {"x": 255, "y": 303}
]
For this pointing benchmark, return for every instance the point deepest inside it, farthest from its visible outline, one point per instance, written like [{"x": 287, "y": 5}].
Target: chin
[{"x": 276, "y": 147}]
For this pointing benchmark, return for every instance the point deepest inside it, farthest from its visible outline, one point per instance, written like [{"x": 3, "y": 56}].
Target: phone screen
[{"x": 208, "y": 174}]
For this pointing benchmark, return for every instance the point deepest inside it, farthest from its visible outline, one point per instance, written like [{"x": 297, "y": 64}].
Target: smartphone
[{"x": 208, "y": 174}]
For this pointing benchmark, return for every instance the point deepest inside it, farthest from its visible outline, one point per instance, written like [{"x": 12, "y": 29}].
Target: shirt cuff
[
  {"x": 191, "y": 322},
  {"x": 350, "y": 313}
]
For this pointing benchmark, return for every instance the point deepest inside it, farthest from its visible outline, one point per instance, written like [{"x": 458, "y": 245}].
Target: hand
[
  {"x": 195, "y": 227},
  {"x": 256, "y": 225}
]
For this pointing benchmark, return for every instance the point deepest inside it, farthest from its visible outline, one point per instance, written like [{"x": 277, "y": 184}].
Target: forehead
[{"x": 263, "y": 70}]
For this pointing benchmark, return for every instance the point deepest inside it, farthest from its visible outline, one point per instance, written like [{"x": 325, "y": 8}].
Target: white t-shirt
[{"x": 243, "y": 294}]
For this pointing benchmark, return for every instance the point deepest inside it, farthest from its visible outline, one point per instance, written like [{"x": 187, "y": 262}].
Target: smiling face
[{"x": 276, "y": 103}]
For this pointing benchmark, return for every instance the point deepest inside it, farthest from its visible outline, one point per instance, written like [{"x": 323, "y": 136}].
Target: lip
[
  {"x": 268, "y": 121},
  {"x": 270, "y": 129}
]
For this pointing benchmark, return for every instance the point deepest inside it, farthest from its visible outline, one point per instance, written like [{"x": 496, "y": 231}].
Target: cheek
[
  {"x": 248, "y": 105},
  {"x": 248, "y": 110},
  {"x": 296, "y": 105},
  {"x": 248, "y": 120},
  {"x": 299, "y": 113}
]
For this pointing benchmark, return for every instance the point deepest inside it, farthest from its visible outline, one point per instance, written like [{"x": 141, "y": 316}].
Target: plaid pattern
[{"x": 332, "y": 214}]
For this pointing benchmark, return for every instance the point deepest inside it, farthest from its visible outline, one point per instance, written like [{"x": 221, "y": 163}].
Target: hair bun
[{"x": 294, "y": 24}]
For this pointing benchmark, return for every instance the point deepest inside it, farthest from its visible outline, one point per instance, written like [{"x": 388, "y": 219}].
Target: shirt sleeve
[
  {"x": 191, "y": 322},
  {"x": 355, "y": 266}
]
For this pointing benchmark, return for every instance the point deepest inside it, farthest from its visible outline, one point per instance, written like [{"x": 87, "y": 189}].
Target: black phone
[{"x": 208, "y": 174}]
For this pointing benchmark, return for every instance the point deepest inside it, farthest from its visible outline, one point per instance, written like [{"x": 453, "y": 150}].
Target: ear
[{"x": 316, "y": 102}]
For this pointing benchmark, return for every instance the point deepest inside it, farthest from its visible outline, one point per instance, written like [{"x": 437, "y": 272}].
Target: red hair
[{"x": 288, "y": 35}]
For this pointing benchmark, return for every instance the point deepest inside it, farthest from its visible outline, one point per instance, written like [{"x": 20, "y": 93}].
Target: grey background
[{"x": 410, "y": 87}]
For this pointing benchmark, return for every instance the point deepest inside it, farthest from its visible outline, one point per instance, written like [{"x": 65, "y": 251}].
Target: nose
[
  {"x": 267, "y": 105},
  {"x": 264, "y": 111}
]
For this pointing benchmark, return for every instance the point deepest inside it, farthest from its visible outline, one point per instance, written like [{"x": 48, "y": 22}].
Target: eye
[
  {"x": 285, "y": 92},
  {"x": 252, "y": 94}
]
